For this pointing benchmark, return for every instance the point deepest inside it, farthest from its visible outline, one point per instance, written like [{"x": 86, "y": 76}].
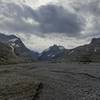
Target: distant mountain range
[
  {"x": 13, "y": 50},
  {"x": 85, "y": 53}
]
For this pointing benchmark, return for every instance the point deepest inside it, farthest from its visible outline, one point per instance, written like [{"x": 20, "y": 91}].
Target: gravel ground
[{"x": 61, "y": 81}]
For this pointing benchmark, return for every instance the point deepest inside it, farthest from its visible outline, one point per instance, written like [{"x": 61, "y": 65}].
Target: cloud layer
[
  {"x": 46, "y": 19},
  {"x": 56, "y": 19},
  {"x": 74, "y": 19}
]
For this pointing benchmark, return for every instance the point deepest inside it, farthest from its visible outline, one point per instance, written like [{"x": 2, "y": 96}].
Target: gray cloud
[
  {"x": 14, "y": 18},
  {"x": 50, "y": 19},
  {"x": 90, "y": 10},
  {"x": 90, "y": 6},
  {"x": 76, "y": 20},
  {"x": 56, "y": 19}
]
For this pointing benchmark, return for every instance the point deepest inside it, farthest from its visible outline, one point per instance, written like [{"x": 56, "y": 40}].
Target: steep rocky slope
[{"x": 12, "y": 49}]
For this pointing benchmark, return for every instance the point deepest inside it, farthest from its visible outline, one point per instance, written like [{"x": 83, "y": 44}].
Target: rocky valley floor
[{"x": 50, "y": 81}]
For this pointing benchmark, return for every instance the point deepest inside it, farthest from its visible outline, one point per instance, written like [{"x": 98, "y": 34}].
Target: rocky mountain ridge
[
  {"x": 17, "y": 49},
  {"x": 11, "y": 47}
]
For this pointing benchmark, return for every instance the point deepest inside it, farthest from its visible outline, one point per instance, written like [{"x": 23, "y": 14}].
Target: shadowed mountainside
[
  {"x": 86, "y": 53},
  {"x": 14, "y": 50}
]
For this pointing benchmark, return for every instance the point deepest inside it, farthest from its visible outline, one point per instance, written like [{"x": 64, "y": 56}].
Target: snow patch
[
  {"x": 13, "y": 44},
  {"x": 61, "y": 47},
  {"x": 71, "y": 52},
  {"x": 95, "y": 50},
  {"x": 17, "y": 45},
  {"x": 12, "y": 50},
  {"x": 53, "y": 55},
  {"x": 49, "y": 55},
  {"x": 13, "y": 40}
]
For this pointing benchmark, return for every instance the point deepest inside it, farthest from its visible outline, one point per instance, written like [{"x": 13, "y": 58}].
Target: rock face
[
  {"x": 13, "y": 47},
  {"x": 95, "y": 41},
  {"x": 21, "y": 50},
  {"x": 89, "y": 52},
  {"x": 5, "y": 53},
  {"x": 17, "y": 49},
  {"x": 52, "y": 52},
  {"x": 86, "y": 53}
]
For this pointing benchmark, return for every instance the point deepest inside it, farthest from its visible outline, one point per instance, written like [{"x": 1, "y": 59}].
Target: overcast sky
[{"x": 42, "y": 23}]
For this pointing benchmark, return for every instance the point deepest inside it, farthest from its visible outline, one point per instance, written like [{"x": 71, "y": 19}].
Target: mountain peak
[
  {"x": 18, "y": 47},
  {"x": 55, "y": 47},
  {"x": 5, "y": 38},
  {"x": 52, "y": 52}
]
